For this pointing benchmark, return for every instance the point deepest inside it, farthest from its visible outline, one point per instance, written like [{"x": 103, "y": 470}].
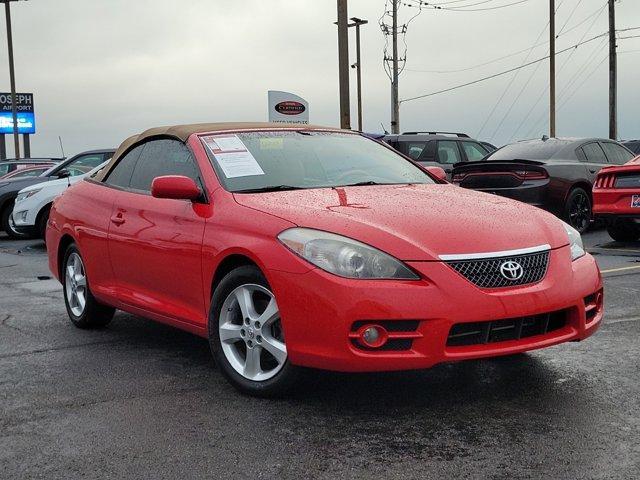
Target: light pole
[
  {"x": 12, "y": 77},
  {"x": 358, "y": 66}
]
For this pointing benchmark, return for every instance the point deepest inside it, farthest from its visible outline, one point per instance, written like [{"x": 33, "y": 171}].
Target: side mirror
[
  {"x": 437, "y": 172},
  {"x": 64, "y": 173},
  {"x": 177, "y": 187}
]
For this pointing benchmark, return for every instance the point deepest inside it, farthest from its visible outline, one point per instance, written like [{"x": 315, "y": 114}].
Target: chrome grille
[{"x": 485, "y": 272}]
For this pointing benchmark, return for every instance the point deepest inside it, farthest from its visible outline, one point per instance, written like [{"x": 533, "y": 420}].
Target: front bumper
[{"x": 319, "y": 311}]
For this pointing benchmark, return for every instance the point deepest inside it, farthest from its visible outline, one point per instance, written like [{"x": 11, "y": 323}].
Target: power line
[
  {"x": 584, "y": 20},
  {"x": 597, "y": 14},
  {"x": 462, "y": 8},
  {"x": 515, "y": 75},
  {"x": 501, "y": 73},
  {"x": 564, "y": 90}
]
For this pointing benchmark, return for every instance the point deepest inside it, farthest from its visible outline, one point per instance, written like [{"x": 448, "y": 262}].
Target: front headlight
[
  {"x": 575, "y": 242},
  {"x": 25, "y": 195},
  {"x": 344, "y": 256}
]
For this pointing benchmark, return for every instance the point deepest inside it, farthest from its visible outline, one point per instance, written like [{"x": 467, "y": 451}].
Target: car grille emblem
[{"x": 511, "y": 270}]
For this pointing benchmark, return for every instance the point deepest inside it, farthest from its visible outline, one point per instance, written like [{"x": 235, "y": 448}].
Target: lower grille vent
[{"x": 479, "y": 333}]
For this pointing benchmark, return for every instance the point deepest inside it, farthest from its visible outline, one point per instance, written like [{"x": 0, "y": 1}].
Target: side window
[
  {"x": 448, "y": 152},
  {"x": 86, "y": 162},
  {"x": 474, "y": 150},
  {"x": 162, "y": 157},
  {"x": 593, "y": 153},
  {"x": 414, "y": 149},
  {"x": 616, "y": 154},
  {"x": 32, "y": 172},
  {"x": 4, "y": 169},
  {"x": 120, "y": 175}
]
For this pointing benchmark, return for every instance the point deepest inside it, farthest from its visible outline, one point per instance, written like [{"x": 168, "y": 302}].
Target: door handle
[{"x": 117, "y": 219}]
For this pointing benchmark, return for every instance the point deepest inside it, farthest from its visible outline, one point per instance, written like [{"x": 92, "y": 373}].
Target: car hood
[
  {"x": 415, "y": 222},
  {"x": 53, "y": 183}
]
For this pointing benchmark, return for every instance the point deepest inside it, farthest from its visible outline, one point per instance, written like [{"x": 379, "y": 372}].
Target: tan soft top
[{"x": 183, "y": 132}]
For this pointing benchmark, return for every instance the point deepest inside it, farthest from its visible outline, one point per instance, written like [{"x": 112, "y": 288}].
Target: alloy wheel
[
  {"x": 580, "y": 212},
  {"x": 251, "y": 334},
  {"x": 76, "y": 284}
]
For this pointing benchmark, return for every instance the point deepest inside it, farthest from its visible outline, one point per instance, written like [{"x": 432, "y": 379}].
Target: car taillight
[
  {"x": 531, "y": 174},
  {"x": 458, "y": 177},
  {"x": 536, "y": 175},
  {"x": 605, "y": 180}
]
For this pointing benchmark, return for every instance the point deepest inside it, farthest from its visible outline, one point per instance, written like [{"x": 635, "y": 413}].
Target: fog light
[{"x": 372, "y": 336}]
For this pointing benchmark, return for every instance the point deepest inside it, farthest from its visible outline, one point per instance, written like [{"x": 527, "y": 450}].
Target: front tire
[
  {"x": 246, "y": 335},
  {"x": 82, "y": 307},
  {"x": 624, "y": 231},
  {"x": 6, "y": 223},
  {"x": 577, "y": 210}
]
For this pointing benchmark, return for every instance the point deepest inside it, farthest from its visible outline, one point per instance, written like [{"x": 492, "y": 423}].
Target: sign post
[
  {"x": 24, "y": 114},
  {"x": 285, "y": 107}
]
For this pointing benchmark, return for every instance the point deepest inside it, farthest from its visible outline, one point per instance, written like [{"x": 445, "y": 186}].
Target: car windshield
[
  {"x": 537, "y": 150},
  {"x": 281, "y": 160}
]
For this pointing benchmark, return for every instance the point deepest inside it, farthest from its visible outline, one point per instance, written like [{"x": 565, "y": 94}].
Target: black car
[
  {"x": 633, "y": 145},
  {"x": 83, "y": 162},
  {"x": 556, "y": 174},
  {"x": 438, "y": 149}
]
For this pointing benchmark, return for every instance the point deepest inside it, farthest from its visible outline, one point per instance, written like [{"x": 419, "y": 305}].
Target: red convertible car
[
  {"x": 616, "y": 199},
  {"x": 293, "y": 246}
]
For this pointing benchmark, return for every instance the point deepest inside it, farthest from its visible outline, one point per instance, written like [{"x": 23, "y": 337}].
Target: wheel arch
[
  {"x": 584, "y": 185},
  {"x": 64, "y": 243},
  {"x": 227, "y": 264}
]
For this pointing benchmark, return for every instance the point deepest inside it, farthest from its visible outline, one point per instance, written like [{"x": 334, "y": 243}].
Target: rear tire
[
  {"x": 6, "y": 223},
  {"x": 577, "y": 210},
  {"x": 83, "y": 309},
  {"x": 252, "y": 355},
  {"x": 624, "y": 231}
]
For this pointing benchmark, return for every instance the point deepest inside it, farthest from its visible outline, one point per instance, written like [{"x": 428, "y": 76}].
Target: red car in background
[
  {"x": 616, "y": 199},
  {"x": 294, "y": 246}
]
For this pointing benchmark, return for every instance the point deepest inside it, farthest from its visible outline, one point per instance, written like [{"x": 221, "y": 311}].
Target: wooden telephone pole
[
  {"x": 613, "y": 74},
  {"x": 552, "y": 68}
]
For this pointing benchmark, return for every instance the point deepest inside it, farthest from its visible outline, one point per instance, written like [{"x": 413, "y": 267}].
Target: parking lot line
[
  {"x": 615, "y": 249},
  {"x": 635, "y": 267}
]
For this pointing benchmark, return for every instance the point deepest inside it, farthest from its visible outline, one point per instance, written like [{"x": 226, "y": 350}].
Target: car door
[
  {"x": 594, "y": 158},
  {"x": 155, "y": 245}
]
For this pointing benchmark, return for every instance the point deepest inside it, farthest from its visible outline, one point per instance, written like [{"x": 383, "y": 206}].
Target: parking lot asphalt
[{"x": 142, "y": 400}]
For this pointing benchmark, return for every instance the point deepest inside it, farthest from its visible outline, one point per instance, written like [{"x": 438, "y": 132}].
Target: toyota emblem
[{"x": 511, "y": 270}]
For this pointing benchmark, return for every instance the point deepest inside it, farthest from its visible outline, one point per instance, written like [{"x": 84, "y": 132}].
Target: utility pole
[
  {"x": 552, "y": 68},
  {"x": 343, "y": 65},
  {"x": 12, "y": 78},
  {"x": 613, "y": 74},
  {"x": 395, "y": 101},
  {"x": 358, "y": 66}
]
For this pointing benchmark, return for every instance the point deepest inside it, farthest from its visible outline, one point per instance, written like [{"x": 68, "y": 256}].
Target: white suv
[{"x": 31, "y": 209}]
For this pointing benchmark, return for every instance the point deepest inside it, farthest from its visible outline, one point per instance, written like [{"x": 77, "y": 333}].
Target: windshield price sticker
[{"x": 232, "y": 156}]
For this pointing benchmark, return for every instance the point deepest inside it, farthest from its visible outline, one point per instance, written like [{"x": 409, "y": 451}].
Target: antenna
[
  {"x": 385, "y": 130},
  {"x": 61, "y": 147}
]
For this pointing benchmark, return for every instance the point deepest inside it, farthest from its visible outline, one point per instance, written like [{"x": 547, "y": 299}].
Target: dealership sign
[
  {"x": 285, "y": 107},
  {"x": 25, "y": 113}
]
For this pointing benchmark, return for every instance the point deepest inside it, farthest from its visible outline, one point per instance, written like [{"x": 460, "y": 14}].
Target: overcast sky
[{"x": 104, "y": 69}]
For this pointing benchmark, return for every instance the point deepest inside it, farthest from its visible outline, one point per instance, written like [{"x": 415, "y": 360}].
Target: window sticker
[{"x": 232, "y": 156}]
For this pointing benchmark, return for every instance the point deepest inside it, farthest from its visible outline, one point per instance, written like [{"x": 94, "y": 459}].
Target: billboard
[
  {"x": 26, "y": 115},
  {"x": 285, "y": 107}
]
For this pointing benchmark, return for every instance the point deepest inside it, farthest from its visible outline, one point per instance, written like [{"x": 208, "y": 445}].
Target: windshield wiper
[
  {"x": 359, "y": 184},
  {"x": 270, "y": 188}
]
